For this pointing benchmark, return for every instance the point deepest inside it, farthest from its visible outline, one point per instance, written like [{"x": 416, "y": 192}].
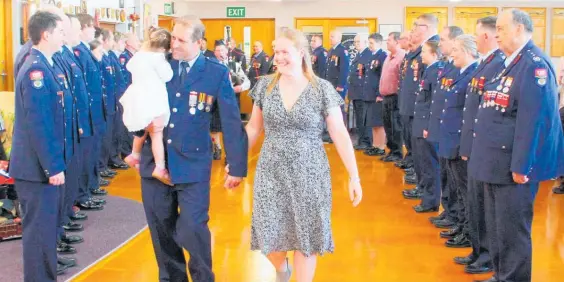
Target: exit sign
[{"x": 235, "y": 12}]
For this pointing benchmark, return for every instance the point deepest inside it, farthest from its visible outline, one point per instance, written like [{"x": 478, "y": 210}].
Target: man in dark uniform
[
  {"x": 338, "y": 64},
  {"x": 118, "y": 141},
  {"x": 236, "y": 54},
  {"x": 38, "y": 163},
  {"x": 356, "y": 81},
  {"x": 319, "y": 56},
  {"x": 90, "y": 182},
  {"x": 518, "y": 143},
  {"x": 132, "y": 44},
  {"x": 491, "y": 60},
  {"x": 22, "y": 55},
  {"x": 205, "y": 51},
  {"x": 260, "y": 63},
  {"x": 372, "y": 98},
  {"x": 187, "y": 144},
  {"x": 424, "y": 28}
]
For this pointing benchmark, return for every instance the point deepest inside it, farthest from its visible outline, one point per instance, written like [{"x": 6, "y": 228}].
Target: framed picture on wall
[
  {"x": 386, "y": 29},
  {"x": 122, "y": 4}
]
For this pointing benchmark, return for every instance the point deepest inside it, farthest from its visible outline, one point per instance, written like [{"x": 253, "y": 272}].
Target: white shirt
[
  {"x": 466, "y": 66},
  {"x": 484, "y": 57},
  {"x": 190, "y": 63},
  {"x": 510, "y": 59},
  {"x": 49, "y": 58}
]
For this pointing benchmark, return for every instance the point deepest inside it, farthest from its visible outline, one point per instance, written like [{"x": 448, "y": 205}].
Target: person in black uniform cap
[{"x": 207, "y": 53}]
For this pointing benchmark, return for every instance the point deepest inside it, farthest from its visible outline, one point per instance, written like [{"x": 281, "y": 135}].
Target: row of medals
[{"x": 201, "y": 100}]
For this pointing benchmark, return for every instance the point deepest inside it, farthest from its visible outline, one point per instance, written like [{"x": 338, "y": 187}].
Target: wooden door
[
  {"x": 166, "y": 22},
  {"x": 412, "y": 13},
  {"x": 466, "y": 17},
  {"x": 260, "y": 30},
  {"x": 557, "y": 38},
  {"x": 538, "y": 15},
  {"x": 324, "y": 26},
  {"x": 6, "y": 47}
]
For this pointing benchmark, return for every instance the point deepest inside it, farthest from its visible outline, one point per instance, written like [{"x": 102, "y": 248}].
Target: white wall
[{"x": 387, "y": 12}]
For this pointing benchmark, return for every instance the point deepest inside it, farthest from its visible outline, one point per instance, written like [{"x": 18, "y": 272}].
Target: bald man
[{"x": 260, "y": 64}]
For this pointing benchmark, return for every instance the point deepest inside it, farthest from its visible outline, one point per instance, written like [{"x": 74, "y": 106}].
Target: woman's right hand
[{"x": 355, "y": 192}]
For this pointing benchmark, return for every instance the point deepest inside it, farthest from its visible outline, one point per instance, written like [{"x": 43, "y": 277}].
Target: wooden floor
[{"x": 381, "y": 240}]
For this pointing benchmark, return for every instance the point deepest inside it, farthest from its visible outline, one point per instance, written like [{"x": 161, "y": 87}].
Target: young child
[{"x": 145, "y": 102}]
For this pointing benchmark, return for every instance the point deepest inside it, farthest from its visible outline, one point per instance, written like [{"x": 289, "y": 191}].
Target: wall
[{"x": 387, "y": 12}]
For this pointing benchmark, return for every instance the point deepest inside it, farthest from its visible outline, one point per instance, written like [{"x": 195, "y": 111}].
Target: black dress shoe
[
  {"x": 361, "y": 147},
  {"x": 444, "y": 223},
  {"x": 97, "y": 201},
  {"x": 478, "y": 269},
  {"x": 91, "y": 206},
  {"x": 68, "y": 262},
  {"x": 414, "y": 191},
  {"x": 119, "y": 166},
  {"x": 390, "y": 159},
  {"x": 451, "y": 233},
  {"x": 441, "y": 216},
  {"x": 375, "y": 152},
  {"x": 465, "y": 260},
  {"x": 61, "y": 269},
  {"x": 103, "y": 182},
  {"x": 558, "y": 190},
  {"x": 73, "y": 227},
  {"x": 105, "y": 174},
  {"x": 421, "y": 209},
  {"x": 72, "y": 239},
  {"x": 410, "y": 179},
  {"x": 99, "y": 192},
  {"x": 460, "y": 241},
  {"x": 414, "y": 196},
  {"x": 77, "y": 216},
  {"x": 401, "y": 164},
  {"x": 65, "y": 249}
]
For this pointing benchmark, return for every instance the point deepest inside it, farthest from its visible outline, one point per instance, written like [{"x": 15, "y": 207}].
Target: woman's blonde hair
[{"x": 301, "y": 43}]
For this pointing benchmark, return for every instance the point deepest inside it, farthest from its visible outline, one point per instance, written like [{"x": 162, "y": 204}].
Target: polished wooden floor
[{"x": 381, "y": 240}]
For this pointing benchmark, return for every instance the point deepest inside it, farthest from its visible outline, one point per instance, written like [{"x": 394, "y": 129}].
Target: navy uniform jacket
[
  {"x": 109, "y": 85},
  {"x": 123, "y": 60},
  {"x": 451, "y": 120},
  {"x": 518, "y": 128},
  {"x": 120, "y": 79},
  {"x": 93, "y": 76},
  {"x": 373, "y": 73},
  {"x": 357, "y": 74},
  {"x": 338, "y": 67},
  {"x": 403, "y": 69},
  {"x": 413, "y": 68},
  {"x": 484, "y": 73},
  {"x": 319, "y": 61},
  {"x": 187, "y": 139},
  {"x": 427, "y": 86},
  {"x": 260, "y": 63},
  {"x": 38, "y": 150},
  {"x": 62, "y": 75},
  {"x": 79, "y": 92},
  {"x": 22, "y": 55},
  {"x": 238, "y": 56},
  {"x": 446, "y": 77}
]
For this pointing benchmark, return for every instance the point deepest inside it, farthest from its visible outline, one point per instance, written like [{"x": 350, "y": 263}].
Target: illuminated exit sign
[{"x": 235, "y": 12}]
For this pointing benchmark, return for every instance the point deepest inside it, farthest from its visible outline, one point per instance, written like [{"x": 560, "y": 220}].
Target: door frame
[{"x": 8, "y": 42}]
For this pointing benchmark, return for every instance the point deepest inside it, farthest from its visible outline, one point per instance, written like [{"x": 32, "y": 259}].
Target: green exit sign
[{"x": 235, "y": 12}]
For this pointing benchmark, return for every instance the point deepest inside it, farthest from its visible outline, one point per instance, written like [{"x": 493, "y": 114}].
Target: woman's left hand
[{"x": 355, "y": 192}]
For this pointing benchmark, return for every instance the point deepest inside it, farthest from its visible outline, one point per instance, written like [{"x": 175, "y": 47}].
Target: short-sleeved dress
[{"x": 292, "y": 197}]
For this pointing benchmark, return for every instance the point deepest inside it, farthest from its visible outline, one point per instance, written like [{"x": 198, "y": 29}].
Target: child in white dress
[{"x": 145, "y": 102}]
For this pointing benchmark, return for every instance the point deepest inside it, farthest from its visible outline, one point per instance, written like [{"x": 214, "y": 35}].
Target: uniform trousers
[
  {"x": 40, "y": 208},
  {"x": 88, "y": 165},
  {"x": 475, "y": 213},
  {"x": 509, "y": 216},
  {"x": 426, "y": 163},
  {"x": 117, "y": 139},
  {"x": 458, "y": 172},
  {"x": 106, "y": 144},
  {"x": 72, "y": 183},
  {"x": 125, "y": 137},
  {"x": 172, "y": 230},
  {"x": 449, "y": 198},
  {"x": 364, "y": 131},
  {"x": 407, "y": 125},
  {"x": 392, "y": 125}
]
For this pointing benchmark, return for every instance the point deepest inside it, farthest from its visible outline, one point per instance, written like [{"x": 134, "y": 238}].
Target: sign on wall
[
  {"x": 167, "y": 8},
  {"x": 235, "y": 12}
]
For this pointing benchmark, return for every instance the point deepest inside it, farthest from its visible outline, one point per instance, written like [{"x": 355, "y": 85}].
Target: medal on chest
[
  {"x": 192, "y": 101},
  {"x": 360, "y": 68},
  {"x": 64, "y": 79},
  {"x": 415, "y": 67},
  {"x": 508, "y": 83},
  {"x": 62, "y": 95},
  {"x": 501, "y": 100},
  {"x": 209, "y": 101},
  {"x": 201, "y": 100},
  {"x": 481, "y": 84},
  {"x": 336, "y": 59}
]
